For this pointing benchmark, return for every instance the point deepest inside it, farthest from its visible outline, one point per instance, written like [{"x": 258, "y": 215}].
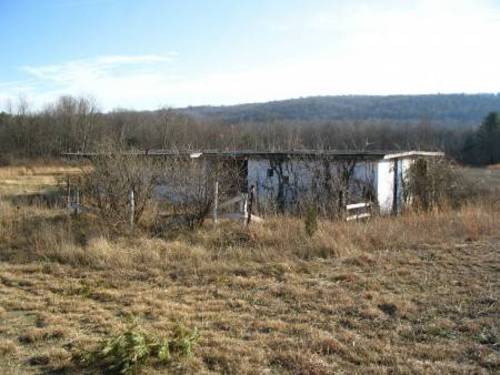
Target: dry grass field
[
  {"x": 33, "y": 179},
  {"x": 417, "y": 294},
  {"x": 484, "y": 176}
]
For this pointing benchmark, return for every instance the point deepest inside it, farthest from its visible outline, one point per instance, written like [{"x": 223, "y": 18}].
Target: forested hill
[{"x": 446, "y": 109}]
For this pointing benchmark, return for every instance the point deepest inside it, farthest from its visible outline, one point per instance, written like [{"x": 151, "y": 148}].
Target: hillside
[{"x": 452, "y": 109}]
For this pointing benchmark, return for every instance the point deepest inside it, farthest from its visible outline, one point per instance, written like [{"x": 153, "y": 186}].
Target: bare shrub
[
  {"x": 175, "y": 189},
  {"x": 114, "y": 175},
  {"x": 188, "y": 185},
  {"x": 188, "y": 188},
  {"x": 435, "y": 183},
  {"x": 336, "y": 183}
]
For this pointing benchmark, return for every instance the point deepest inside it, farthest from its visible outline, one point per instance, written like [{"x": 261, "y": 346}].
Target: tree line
[{"x": 75, "y": 124}]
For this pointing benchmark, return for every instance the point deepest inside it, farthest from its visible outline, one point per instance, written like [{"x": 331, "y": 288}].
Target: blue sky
[{"x": 152, "y": 53}]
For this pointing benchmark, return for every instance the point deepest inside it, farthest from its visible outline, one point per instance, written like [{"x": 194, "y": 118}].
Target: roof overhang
[
  {"x": 276, "y": 155},
  {"x": 413, "y": 154}
]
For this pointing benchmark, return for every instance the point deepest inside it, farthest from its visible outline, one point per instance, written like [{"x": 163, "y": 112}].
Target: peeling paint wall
[
  {"x": 390, "y": 184},
  {"x": 291, "y": 184},
  {"x": 385, "y": 185}
]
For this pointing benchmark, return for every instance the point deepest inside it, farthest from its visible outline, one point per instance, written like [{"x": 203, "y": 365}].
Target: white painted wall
[
  {"x": 301, "y": 176},
  {"x": 385, "y": 185},
  {"x": 405, "y": 167}
]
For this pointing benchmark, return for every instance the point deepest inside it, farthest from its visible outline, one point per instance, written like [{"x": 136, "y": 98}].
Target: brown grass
[
  {"x": 29, "y": 179},
  {"x": 414, "y": 294}
]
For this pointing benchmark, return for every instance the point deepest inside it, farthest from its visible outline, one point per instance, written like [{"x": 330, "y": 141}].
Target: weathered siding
[
  {"x": 295, "y": 184},
  {"x": 391, "y": 175},
  {"x": 385, "y": 185}
]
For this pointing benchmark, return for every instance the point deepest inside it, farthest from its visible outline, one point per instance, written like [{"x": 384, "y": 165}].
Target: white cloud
[
  {"x": 114, "y": 80},
  {"x": 81, "y": 71}
]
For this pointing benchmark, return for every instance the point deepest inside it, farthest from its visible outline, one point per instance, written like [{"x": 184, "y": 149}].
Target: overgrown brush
[
  {"x": 127, "y": 352},
  {"x": 437, "y": 183},
  {"x": 83, "y": 241},
  {"x": 311, "y": 221},
  {"x": 115, "y": 174}
]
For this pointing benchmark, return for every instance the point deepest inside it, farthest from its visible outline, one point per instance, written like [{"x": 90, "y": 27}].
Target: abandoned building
[
  {"x": 288, "y": 181},
  {"x": 294, "y": 179}
]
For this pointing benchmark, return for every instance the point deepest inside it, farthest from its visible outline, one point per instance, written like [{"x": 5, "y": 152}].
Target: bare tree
[
  {"x": 114, "y": 174},
  {"x": 188, "y": 186}
]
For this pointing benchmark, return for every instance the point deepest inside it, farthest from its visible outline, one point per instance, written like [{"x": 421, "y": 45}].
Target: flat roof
[{"x": 314, "y": 154}]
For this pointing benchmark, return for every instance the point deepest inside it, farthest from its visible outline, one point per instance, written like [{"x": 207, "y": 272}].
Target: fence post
[
  {"x": 68, "y": 193},
  {"x": 131, "y": 205},
  {"x": 251, "y": 198},
  {"x": 77, "y": 202},
  {"x": 244, "y": 208},
  {"x": 216, "y": 201}
]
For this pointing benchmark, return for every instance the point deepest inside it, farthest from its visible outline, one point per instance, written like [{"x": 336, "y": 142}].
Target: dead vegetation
[
  {"x": 440, "y": 182},
  {"x": 35, "y": 179},
  {"x": 414, "y": 294}
]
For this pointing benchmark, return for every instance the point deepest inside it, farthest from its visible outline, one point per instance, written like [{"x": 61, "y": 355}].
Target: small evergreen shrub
[
  {"x": 311, "y": 221},
  {"x": 127, "y": 352}
]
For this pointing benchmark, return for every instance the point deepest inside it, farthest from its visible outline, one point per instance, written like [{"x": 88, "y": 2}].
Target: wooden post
[
  {"x": 244, "y": 208},
  {"x": 256, "y": 200},
  {"x": 68, "y": 193},
  {"x": 251, "y": 198},
  {"x": 395, "y": 192},
  {"x": 216, "y": 201},
  {"x": 131, "y": 204},
  {"x": 77, "y": 202}
]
